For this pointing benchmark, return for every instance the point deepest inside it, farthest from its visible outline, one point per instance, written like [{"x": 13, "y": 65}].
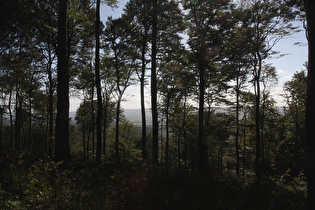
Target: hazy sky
[{"x": 286, "y": 66}]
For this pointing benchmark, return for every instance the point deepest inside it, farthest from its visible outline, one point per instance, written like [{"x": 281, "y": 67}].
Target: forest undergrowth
[{"x": 40, "y": 183}]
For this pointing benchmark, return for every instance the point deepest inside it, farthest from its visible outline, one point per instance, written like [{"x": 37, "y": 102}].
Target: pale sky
[{"x": 286, "y": 66}]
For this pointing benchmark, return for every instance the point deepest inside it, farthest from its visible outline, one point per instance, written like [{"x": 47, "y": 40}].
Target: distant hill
[{"x": 134, "y": 116}]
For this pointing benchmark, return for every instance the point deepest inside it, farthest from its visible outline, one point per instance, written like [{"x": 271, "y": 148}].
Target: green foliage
[
  {"x": 128, "y": 139},
  {"x": 29, "y": 182},
  {"x": 42, "y": 183}
]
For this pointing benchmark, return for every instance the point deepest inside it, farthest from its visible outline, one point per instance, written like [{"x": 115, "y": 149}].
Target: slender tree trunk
[
  {"x": 257, "y": 118},
  {"x": 162, "y": 141},
  {"x": 1, "y": 125},
  {"x": 98, "y": 85},
  {"x": 50, "y": 105},
  {"x": 93, "y": 120},
  {"x": 184, "y": 131},
  {"x": 11, "y": 119},
  {"x": 117, "y": 130},
  {"x": 143, "y": 114},
  {"x": 155, "y": 126},
  {"x": 30, "y": 113},
  {"x": 88, "y": 142},
  {"x": 167, "y": 120},
  {"x": 262, "y": 127},
  {"x": 310, "y": 104},
  {"x": 62, "y": 148},
  {"x": 202, "y": 142},
  {"x": 105, "y": 124},
  {"x": 84, "y": 139},
  {"x": 178, "y": 152},
  {"x": 106, "y": 113},
  {"x": 17, "y": 121},
  {"x": 244, "y": 151},
  {"x": 257, "y": 132},
  {"x": 237, "y": 126},
  {"x": 30, "y": 120}
]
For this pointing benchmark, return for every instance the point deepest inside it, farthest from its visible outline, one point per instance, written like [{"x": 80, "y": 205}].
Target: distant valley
[{"x": 132, "y": 115}]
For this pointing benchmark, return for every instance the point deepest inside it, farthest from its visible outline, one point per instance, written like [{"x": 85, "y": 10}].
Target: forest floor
[{"x": 40, "y": 183}]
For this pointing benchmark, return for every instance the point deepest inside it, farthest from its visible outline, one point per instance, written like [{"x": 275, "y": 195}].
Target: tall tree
[
  {"x": 121, "y": 62},
  {"x": 236, "y": 65},
  {"x": 266, "y": 23},
  {"x": 310, "y": 104},
  {"x": 141, "y": 28},
  {"x": 155, "y": 124},
  {"x": 62, "y": 148},
  {"x": 206, "y": 23},
  {"x": 98, "y": 85}
]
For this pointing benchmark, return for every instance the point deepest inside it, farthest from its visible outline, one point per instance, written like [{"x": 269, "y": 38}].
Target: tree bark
[
  {"x": 93, "y": 120},
  {"x": 18, "y": 120},
  {"x": 105, "y": 124},
  {"x": 50, "y": 104},
  {"x": 310, "y": 104},
  {"x": 98, "y": 85},
  {"x": 257, "y": 73},
  {"x": 117, "y": 130},
  {"x": 1, "y": 125},
  {"x": 11, "y": 119},
  {"x": 237, "y": 126},
  {"x": 155, "y": 126},
  {"x": 202, "y": 142},
  {"x": 143, "y": 114},
  {"x": 167, "y": 120},
  {"x": 30, "y": 115},
  {"x": 62, "y": 149},
  {"x": 184, "y": 131}
]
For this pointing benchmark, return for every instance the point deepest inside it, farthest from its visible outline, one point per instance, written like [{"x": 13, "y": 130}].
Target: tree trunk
[
  {"x": 62, "y": 148},
  {"x": 106, "y": 96},
  {"x": 178, "y": 152},
  {"x": 84, "y": 139},
  {"x": 184, "y": 131},
  {"x": 310, "y": 104},
  {"x": 167, "y": 128},
  {"x": 143, "y": 114},
  {"x": 11, "y": 119},
  {"x": 257, "y": 117},
  {"x": 93, "y": 121},
  {"x": 237, "y": 126},
  {"x": 50, "y": 104},
  {"x": 1, "y": 124},
  {"x": 17, "y": 126},
  {"x": 155, "y": 126},
  {"x": 162, "y": 141},
  {"x": 202, "y": 142},
  {"x": 98, "y": 85},
  {"x": 244, "y": 151},
  {"x": 88, "y": 142},
  {"x": 30, "y": 120},
  {"x": 117, "y": 130},
  {"x": 105, "y": 125}
]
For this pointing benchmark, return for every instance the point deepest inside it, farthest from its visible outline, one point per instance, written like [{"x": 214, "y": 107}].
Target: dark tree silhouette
[
  {"x": 62, "y": 148},
  {"x": 98, "y": 85},
  {"x": 155, "y": 128},
  {"x": 310, "y": 104}
]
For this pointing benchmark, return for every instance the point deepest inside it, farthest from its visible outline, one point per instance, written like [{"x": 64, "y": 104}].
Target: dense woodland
[{"x": 217, "y": 139}]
